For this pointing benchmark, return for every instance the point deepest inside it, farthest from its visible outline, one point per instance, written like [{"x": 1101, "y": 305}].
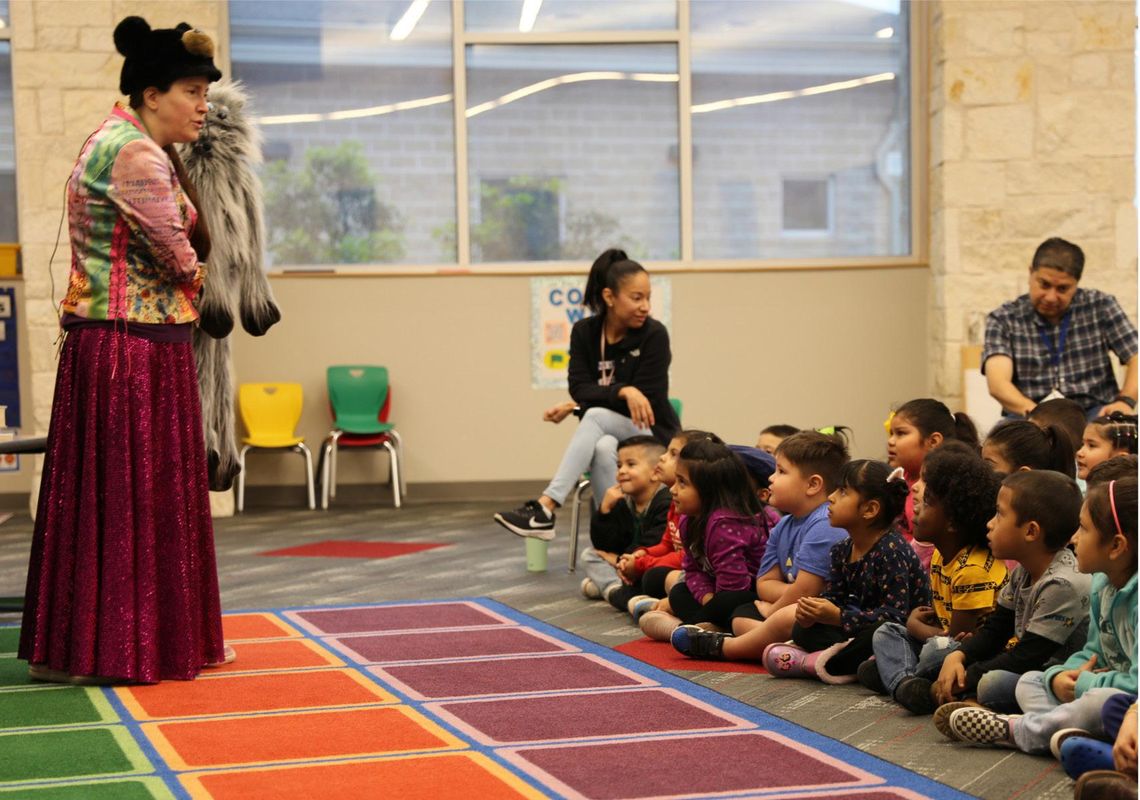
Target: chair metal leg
[
  {"x": 327, "y": 451},
  {"x": 576, "y": 520},
  {"x": 400, "y": 454},
  {"x": 241, "y": 479},
  {"x": 304, "y": 450},
  {"x": 332, "y": 466},
  {"x": 394, "y": 470}
]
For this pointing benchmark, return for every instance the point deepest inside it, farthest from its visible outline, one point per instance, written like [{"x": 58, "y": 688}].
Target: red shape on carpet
[
  {"x": 349, "y": 549},
  {"x": 662, "y": 655}
]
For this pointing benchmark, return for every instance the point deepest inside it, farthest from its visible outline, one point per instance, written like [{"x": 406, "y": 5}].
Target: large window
[
  {"x": 692, "y": 133},
  {"x": 8, "y": 223}
]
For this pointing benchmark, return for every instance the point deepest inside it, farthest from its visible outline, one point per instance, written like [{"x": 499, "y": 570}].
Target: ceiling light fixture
[{"x": 407, "y": 23}]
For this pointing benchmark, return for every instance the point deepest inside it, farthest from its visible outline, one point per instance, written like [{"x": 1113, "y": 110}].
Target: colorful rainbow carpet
[{"x": 438, "y": 699}]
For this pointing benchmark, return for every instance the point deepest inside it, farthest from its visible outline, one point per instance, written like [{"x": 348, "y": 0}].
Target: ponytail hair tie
[
  {"x": 897, "y": 474},
  {"x": 1112, "y": 505}
]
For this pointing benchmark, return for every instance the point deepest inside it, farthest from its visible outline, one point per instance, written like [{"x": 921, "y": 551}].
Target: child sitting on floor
[
  {"x": 1019, "y": 444},
  {"x": 1105, "y": 438},
  {"x": 771, "y": 437},
  {"x": 760, "y": 466},
  {"x": 721, "y": 537},
  {"x": 645, "y": 572},
  {"x": 913, "y": 430},
  {"x": 631, "y": 515},
  {"x": 959, "y": 494},
  {"x": 797, "y": 559},
  {"x": 1042, "y": 611},
  {"x": 875, "y": 577},
  {"x": 1073, "y": 695}
]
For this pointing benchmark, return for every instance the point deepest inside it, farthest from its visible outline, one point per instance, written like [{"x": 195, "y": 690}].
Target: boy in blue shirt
[{"x": 797, "y": 560}]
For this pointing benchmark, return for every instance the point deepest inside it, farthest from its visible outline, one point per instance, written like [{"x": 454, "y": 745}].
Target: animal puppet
[{"x": 220, "y": 165}]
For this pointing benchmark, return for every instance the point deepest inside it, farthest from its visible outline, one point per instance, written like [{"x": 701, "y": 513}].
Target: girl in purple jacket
[{"x": 722, "y": 538}]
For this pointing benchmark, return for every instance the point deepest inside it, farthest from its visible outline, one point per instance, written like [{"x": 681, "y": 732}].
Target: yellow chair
[{"x": 270, "y": 412}]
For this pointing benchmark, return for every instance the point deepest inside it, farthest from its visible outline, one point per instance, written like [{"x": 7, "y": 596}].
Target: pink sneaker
[{"x": 785, "y": 661}]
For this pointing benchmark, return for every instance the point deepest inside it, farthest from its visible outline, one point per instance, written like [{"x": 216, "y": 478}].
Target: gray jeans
[
  {"x": 1044, "y": 716},
  {"x": 593, "y": 447},
  {"x": 598, "y": 569}
]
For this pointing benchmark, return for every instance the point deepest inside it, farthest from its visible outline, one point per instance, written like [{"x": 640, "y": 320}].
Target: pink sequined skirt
[{"x": 122, "y": 581}]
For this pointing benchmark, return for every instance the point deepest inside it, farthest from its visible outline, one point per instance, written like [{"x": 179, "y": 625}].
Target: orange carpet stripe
[
  {"x": 469, "y": 775},
  {"x": 237, "y": 694},
  {"x": 253, "y": 656},
  {"x": 253, "y": 740},
  {"x": 239, "y": 627}
]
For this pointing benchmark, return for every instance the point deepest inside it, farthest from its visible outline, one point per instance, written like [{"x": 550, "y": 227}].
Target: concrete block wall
[{"x": 1033, "y": 134}]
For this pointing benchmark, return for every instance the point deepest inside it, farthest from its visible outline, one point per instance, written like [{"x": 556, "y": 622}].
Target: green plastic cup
[{"x": 536, "y": 555}]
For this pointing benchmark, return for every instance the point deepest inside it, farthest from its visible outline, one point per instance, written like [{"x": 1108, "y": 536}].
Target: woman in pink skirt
[{"x": 122, "y": 585}]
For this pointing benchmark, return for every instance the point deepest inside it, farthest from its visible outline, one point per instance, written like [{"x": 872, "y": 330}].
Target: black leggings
[
  {"x": 847, "y": 660},
  {"x": 718, "y": 610},
  {"x": 652, "y": 583}
]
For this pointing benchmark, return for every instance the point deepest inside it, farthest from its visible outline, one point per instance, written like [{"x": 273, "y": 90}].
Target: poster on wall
[{"x": 556, "y": 304}]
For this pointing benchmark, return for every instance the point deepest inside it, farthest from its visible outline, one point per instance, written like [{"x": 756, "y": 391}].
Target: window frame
[{"x": 917, "y": 81}]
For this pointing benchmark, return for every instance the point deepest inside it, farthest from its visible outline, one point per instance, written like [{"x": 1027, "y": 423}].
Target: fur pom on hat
[{"x": 158, "y": 57}]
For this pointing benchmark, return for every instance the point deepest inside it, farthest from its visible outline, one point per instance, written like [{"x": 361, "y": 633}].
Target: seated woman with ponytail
[{"x": 619, "y": 382}]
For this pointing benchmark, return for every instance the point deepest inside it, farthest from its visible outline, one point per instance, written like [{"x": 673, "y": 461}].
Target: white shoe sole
[{"x": 539, "y": 533}]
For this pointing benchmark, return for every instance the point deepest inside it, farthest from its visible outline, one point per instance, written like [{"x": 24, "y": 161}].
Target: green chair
[
  {"x": 360, "y": 399},
  {"x": 580, "y": 494}
]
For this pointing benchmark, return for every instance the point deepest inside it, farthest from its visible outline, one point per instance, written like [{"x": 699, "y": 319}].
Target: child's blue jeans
[
  {"x": 899, "y": 656},
  {"x": 1043, "y": 715}
]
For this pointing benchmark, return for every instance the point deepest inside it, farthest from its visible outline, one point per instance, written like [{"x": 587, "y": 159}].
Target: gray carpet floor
[{"x": 485, "y": 560}]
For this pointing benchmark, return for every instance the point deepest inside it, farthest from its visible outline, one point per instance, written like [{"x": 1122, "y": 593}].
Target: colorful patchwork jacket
[{"x": 130, "y": 222}]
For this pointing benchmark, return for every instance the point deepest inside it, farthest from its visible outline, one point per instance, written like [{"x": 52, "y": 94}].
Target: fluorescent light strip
[
  {"x": 529, "y": 15},
  {"x": 407, "y": 23},
  {"x": 577, "y": 77},
  {"x": 774, "y": 97},
  {"x": 356, "y": 113}
]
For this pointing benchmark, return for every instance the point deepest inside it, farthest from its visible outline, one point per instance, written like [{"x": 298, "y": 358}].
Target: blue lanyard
[{"x": 1057, "y": 350}]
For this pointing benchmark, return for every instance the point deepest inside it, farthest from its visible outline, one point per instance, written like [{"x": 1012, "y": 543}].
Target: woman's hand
[
  {"x": 559, "y": 412},
  {"x": 640, "y": 410}
]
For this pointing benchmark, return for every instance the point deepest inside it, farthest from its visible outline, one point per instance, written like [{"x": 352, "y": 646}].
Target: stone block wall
[{"x": 1032, "y": 135}]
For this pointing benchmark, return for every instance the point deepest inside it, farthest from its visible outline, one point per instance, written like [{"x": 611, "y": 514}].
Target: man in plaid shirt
[{"x": 1055, "y": 340}]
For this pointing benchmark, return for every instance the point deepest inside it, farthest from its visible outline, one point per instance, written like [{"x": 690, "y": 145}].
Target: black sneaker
[
  {"x": 698, "y": 643},
  {"x": 868, "y": 675},
  {"x": 529, "y": 519},
  {"x": 913, "y": 694}
]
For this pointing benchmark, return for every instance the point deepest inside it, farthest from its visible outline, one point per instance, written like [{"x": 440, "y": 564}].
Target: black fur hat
[{"x": 161, "y": 56}]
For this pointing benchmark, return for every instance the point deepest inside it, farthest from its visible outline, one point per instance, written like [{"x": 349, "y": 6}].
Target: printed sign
[{"x": 556, "y": 304}]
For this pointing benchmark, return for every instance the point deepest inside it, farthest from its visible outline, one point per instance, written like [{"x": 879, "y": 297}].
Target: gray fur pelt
[{"x": 221, "y": 166}]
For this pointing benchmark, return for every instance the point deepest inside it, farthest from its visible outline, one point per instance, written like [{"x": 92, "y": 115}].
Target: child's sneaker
[
  {"x": 609, "y": 590},
  {"x": 530, "y": 519},
  {"x": 658, "y": 625},
  {"x": 786, "y": 661},
  {"x": 590, "y": 589},
  {"x": 942, "y": 718},
  {"x": 696, "y": 642},
  {"x": 980, "y": 726},
  {"x": 868, "y": 676},
  {"x": 1058, "y": 739},
  {"x": 913, "y": 694},
  {"x": 642, "y": 607}
]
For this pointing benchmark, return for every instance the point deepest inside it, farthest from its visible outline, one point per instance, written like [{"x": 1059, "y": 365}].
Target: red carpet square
[
  {"x": 349, "y": 549},
  {"x": 506, "y": 676},
  {"x": 232, "y": 741},
  {"x": 448, "y": 645},
  {"x": 729, "y": 764},
  {"x": 662, "y": 655},
  {"x": 409, "y": 617},
  {"x": 468, "y": 775},
  {"x": 584, "y": 716},
  {"x": 235, "y": 694}
]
